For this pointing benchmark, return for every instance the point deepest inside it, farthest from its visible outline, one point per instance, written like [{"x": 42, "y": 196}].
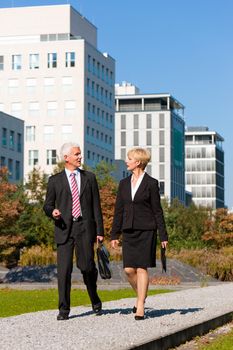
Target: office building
[
  {"x": 53, "y": 77},
  {"x": 11, "y": 146},
  {"x": 204, "y": 167},
  {"x": 153, "y": 121}
]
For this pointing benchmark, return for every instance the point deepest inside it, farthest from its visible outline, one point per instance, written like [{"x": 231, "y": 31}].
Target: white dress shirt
[{"x": 77, "y": 179}]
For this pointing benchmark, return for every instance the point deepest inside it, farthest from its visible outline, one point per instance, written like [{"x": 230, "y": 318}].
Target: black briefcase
[{"x": 103, "y": 261}]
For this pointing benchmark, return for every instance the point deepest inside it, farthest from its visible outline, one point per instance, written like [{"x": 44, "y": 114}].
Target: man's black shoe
[
  {"x": 62, "y": 317},
  {"x": 97, "y": 308}
]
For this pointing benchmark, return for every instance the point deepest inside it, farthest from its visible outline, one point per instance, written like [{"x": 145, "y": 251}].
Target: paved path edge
[{"x": 180, "y": 337}]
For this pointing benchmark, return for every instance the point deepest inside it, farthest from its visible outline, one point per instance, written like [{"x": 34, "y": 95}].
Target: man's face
[{"x": 73, "y": 159}]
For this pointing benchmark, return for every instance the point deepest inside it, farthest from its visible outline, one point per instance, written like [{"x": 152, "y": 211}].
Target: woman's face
[{"x": 131, "y": 163}]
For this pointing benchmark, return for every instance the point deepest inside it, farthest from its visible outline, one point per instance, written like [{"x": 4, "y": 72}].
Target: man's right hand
[{"x": 56, "y": 214}]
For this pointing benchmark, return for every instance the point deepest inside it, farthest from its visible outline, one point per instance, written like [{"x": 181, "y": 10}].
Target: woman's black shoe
[
  {"x": 134, "y": 309},
  {"x": 139, "y": 318}
]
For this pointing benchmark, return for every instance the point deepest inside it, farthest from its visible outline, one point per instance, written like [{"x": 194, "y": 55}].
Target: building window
[
  {"x": 162, "y": 188},
  {"x": 93, "y": 89},
  {"x": 12, "y": 139},
  {"x": 3, "y": 162},
  {"x": 67, "y": 83},
  {"x": 13, "y": 85},
  {"x": 16, "y": 109},
  {"x": 16, "y": 62},
  {"x": 33, "y": 158},
  {"x": 135, "y": 138},
  {"x": 4, "y": 137},
  {"x": 148, "y": 138},
  {"x": 161, "y": 154},
  {"x": 52, "y": 60},
  {"x": 34, "y": 61},
  {"x": 10, "y": 168},
  {"x": 19, "y": 142},
  {"x": 30, "y": 133},
  {"x": 34, "y": 109},
  {"x": 48, "y": 132},
  {"x": 135, "y": 121},
  {"x": 148, "y": 169},
  {"x": 48, "y": 82},
  {"x": 161, "y": 172},
  {"x": 70, "y": 59},
  {"x": 123, "y": 153},
  {"x": 161, "y": 121},
  {"x": 66, "y": 132},
  {"x": 1, "y": 62},
  {"x": 123, "y": 121},
  {"x": 123, "y": 138},
  {"x": 17, "y": 170},
  {"x": 31, "y": 82},
  {"x": 51, "y": 156},
  {"x": 51, "y": 108},
  {"x": 148, "y": 121},
  {"x": 161, "y": 137},
  {"x": 70, "y": 108}
]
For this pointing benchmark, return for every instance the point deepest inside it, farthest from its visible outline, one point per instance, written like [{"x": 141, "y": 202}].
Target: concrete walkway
[{"x": 170, "y": 320}]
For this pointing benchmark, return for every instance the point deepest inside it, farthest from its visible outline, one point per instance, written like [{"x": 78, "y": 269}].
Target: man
[{"x": 73, "y": 202}]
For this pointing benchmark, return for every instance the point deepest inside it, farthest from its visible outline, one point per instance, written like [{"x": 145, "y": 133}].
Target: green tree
[
  {"x": 35, "y": 226},
  {"x": 11, "y": 206},
  {"x": 185, "y": 225},
  {"x": 219, "y": 229}
]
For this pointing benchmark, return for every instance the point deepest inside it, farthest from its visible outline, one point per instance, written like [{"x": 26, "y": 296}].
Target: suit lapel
[
  {"x": 83, "y": 181},
  {"x": 65, "y": 182},
  {"x": 142, "y": 186}
]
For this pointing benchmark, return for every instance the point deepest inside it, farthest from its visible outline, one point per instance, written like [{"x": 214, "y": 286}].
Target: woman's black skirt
[{"x": 139, "y": 248}]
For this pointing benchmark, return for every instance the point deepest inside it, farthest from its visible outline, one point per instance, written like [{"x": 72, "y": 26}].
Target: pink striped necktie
[{"x": 76, "y": 208}]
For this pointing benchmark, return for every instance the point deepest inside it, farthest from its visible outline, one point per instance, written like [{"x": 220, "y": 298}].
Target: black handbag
[{"x": 103, "y": 261}]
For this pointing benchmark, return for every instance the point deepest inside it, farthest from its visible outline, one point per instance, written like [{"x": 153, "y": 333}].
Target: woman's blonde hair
[{"x": 140, "y": 154}]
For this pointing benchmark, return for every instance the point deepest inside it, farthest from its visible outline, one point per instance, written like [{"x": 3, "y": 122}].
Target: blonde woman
[{"x": 138, "y": 215}]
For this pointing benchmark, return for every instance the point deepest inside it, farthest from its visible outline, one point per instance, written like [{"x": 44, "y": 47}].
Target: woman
[{"x": 138, "y": 215}]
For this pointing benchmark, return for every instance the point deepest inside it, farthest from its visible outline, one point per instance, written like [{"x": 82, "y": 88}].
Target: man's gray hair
[{"x": 66, "y": 148}]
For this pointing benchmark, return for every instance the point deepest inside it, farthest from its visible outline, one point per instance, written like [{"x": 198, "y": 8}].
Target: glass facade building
[{"x": 204, "y": 167}]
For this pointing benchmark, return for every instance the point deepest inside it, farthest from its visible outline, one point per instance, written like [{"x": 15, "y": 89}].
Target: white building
[
  {"x": 54, "y": 78},
  {"x": 11, "y": 146},
  {"x": 204, "y": 167},
  {"x": 153, "y": 121}
]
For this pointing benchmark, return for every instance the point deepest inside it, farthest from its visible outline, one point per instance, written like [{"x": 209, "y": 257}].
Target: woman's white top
[{"x": 135, "y": 188}]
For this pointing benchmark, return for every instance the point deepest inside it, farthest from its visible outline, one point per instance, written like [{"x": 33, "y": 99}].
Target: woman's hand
[
  {"x": 114, "y": 243},
  {"x": 164, "y": 244}
]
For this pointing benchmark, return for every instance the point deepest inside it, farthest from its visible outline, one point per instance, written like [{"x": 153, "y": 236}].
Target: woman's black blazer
[{"x": 142, "y": 213}]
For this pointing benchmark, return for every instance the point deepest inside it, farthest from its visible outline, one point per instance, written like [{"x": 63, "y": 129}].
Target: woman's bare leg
[
  {"x": 142, "y": 288},
  {"x": 131, "y": 274}
]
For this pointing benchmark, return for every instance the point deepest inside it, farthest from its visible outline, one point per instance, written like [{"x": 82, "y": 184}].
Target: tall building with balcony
[
  {"x": 153, "y": 121},
  {"x": 204, "y": 167},
  {"x": 53, "y": 77},
  {"x": 11, "y": 146}
]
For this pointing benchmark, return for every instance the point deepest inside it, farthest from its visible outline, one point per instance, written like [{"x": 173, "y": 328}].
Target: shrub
[
  {"x": 216, "y": 263},
  {"x": 38, "y": 255}
]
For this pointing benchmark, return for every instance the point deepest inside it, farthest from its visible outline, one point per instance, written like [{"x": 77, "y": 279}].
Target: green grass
[
  {"x": 15, "y": 302},
  {"x": 224, "y": 342}
]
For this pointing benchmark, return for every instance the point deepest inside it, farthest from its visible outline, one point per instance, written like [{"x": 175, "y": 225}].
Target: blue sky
[{"x": 182, "y": 47}]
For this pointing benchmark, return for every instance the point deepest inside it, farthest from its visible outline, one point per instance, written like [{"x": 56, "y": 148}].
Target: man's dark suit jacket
[
  {"x": 142, "y": 213},
  {"x": 59, "y": 196}
]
